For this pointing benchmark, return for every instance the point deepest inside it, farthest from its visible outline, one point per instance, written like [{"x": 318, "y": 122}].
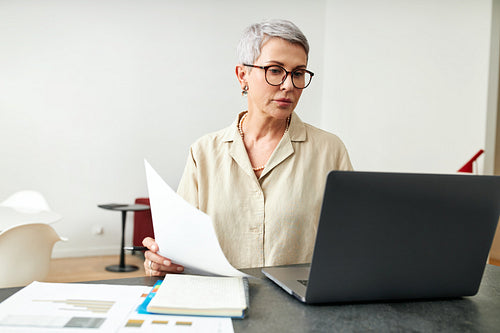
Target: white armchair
[
  {"x": 25, "y": 253},
  {"x": 27, "y": 200}
]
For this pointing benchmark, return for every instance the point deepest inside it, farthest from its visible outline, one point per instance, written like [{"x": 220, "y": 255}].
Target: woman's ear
[{"x": 241, "y": 74}]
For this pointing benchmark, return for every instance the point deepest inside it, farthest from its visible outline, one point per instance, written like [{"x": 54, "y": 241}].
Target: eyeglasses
[{"x": 276, "y": 75}]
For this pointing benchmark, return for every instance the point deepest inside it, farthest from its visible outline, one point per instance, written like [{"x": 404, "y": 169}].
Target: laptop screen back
[{"x": 402, "y": 236}]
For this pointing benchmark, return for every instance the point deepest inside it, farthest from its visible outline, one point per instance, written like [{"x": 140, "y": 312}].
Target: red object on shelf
[
  {"x": 143, "y": 223},
  {"x": 469, "y": 166}
]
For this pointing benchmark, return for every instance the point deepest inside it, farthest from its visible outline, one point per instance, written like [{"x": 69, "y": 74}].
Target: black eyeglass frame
[{"x": 265, "y": 68}]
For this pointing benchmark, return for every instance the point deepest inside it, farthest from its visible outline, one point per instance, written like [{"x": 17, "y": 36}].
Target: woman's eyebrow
[{"x": 282, "y": 64}]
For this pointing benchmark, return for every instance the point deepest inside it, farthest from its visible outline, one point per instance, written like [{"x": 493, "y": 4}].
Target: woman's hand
[{"x": 155, "y": 264}]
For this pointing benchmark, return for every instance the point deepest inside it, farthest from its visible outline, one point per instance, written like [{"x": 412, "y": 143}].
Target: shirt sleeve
[
  {"x": 188, "y": 186},
  {"x": 344, "y": 162}
]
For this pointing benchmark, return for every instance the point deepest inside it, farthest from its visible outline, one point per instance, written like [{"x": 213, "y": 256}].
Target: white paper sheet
[
  {"x": 57, "y": 307},
  {"x": 184, "y": 234},
  {"x": 75, "y": 307}
]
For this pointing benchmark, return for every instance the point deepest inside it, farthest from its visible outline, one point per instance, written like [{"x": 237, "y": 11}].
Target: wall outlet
[{"x": 97, "y": 230}]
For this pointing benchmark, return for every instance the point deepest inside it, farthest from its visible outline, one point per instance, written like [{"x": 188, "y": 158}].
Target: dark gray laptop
[{"x": 388, "y": 236}]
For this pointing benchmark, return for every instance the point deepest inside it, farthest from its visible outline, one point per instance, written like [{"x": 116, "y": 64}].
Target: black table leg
[{"x": 122, "y": 267}]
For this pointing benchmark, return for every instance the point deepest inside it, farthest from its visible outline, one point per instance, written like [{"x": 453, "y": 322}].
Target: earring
[{"x": 244, "y": 92}]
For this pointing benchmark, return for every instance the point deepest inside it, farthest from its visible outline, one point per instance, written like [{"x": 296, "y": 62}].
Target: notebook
[
  {"x": 393, "y": 236},
  {"x": 195, "y": 295}
]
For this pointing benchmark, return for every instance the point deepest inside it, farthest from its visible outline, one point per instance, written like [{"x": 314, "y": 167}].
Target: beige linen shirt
[{"x": 271, "y": 220}]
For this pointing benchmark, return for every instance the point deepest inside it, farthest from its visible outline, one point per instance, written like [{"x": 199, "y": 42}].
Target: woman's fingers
[
  {"x": 165, "y": 266},
  {"x": 150, "y": 243},
  {"x": 149, "y": 268},
  {"x": 155, "y": 264}
]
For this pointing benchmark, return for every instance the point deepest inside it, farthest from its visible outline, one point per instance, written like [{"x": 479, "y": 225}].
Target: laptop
[{"x": 397, "y": 236}]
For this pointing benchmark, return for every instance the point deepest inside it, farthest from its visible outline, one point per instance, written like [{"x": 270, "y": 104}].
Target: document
[
  {"x": 185, "y": 234},
  {"x": 77, "y": 307},
  {"x": 52, "y": 307}
]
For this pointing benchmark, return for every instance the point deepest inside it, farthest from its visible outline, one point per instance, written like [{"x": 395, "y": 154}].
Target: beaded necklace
[{"x": 242, "y": 134}]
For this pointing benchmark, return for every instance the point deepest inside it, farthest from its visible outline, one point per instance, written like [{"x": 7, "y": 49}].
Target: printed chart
[{"x": 64, "y": 307}]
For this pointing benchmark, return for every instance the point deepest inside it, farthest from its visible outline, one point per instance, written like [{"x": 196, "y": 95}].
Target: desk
[
  {"x": 10, "y": 217},
  {"x": 124, "y": 209},
  {"x": 273, "y": 310}
]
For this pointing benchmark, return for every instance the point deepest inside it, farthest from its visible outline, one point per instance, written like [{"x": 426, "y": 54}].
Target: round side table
[{"x": 124, "y": 209}]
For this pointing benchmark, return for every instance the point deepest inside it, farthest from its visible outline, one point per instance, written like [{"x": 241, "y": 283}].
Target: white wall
[
  {"x": 406, "y": 81},
  {"x": 88, "y": 89},
  {"x": 490, "y": 145}
]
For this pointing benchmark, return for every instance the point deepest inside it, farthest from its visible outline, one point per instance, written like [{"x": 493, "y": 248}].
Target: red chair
[
  {"x": 469, "y": 166},
  {"x": 143, "y": 223}
]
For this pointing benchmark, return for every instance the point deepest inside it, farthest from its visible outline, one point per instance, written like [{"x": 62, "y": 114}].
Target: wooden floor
[
  {"x": 493, "y": 261},
  {"x": 92, "y": 268}
]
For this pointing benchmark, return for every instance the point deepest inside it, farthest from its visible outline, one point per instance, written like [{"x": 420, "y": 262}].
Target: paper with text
[{"x": 184, "y": 234}]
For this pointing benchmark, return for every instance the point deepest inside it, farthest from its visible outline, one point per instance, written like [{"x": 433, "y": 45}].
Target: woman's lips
[{"x": 283, "y": 101}]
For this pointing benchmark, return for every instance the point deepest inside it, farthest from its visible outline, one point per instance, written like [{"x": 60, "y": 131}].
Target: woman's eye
[
  {"x": 298, "y": 74},
  {"x": 275, "y": 71}
]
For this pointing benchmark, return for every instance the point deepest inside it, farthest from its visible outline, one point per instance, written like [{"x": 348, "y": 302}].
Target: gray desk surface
[{"x": 272, "y": 310}]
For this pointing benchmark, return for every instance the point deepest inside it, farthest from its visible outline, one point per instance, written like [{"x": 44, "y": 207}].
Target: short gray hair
[{"x": 257, "y": 34}]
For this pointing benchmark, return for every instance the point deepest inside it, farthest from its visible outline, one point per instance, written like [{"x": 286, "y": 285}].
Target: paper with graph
[
  {"x": 77, "y": 307},
  {"x": 46, "y": 307},
  {"x": 185, "y": 234}
]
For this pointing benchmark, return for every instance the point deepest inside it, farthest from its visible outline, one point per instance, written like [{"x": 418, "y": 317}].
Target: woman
[{"x": 262, "y": 179}]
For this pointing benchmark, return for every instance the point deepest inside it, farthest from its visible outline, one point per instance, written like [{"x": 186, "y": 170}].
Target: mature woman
[{"x": 262, "y": 179}]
